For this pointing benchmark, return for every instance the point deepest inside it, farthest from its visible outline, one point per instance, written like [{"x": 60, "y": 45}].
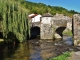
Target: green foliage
[
  {"x": 14, "y": 18},
  {"x": 69, "y": 32},
  {"x": 41, "y": 8},
  {"x": 62, "y": 57}
]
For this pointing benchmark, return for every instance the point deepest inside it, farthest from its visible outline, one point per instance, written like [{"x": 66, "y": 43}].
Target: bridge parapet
[{"x": 58, "y": 23}]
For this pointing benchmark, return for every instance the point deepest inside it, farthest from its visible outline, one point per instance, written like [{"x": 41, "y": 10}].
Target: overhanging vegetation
[{"x": 14, "y": 19}]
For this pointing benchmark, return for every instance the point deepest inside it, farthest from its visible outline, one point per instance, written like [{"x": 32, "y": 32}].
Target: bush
[{"x": 62, "y": 57}]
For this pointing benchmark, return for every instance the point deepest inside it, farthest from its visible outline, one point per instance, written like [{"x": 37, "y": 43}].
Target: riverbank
[
  {"x": 62, "y": 56},
  {"x": 74, "y": 56},
  {"x": 68, "y": 56}
]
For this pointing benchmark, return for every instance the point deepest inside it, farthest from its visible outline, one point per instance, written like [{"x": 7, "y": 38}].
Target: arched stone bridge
[
  {"x": 46, "y": 31},
  {"x": 59, "y": 26},
  {"x": 53, "y": 28},
  {"x": 50, "y": 26}
]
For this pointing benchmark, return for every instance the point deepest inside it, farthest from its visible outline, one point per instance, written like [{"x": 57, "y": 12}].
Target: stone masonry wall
[
  {"x": 76, "y": 29},
  {"x": 64, "y": 18},
  {"x": 46, "y": 31},
  {"x": 46, "y": 28},
  {"x": 49, "y": 25}
]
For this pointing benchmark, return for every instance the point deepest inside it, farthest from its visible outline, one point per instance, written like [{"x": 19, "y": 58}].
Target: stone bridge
[
  {"x": 59, "y": 26},
  {"x": 53, "y": 26},
  {"x": 50, "y": 26},
  {"x": 52, "y": 29}
]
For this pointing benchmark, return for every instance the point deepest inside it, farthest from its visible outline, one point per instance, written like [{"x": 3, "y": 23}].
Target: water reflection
[
  {"x": 17, "y": 52},
  {"x": 34, "y": 50}
]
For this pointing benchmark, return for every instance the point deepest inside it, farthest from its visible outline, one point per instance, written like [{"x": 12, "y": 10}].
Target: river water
[{"x": 37, "y": 49}]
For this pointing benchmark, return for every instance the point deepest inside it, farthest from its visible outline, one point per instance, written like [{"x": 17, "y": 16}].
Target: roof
[
  {"x": 32, "y": 15},
  {"x": 47, "y": 15}
]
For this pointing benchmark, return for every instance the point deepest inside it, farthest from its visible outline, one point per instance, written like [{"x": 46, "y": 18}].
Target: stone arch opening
[
  {"x": 1, "y": 35},
  {"x": 35, "y": 32},
  {"x": 60, "y": 30}
]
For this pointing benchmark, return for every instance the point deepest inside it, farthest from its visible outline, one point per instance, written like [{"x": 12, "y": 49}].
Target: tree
[{"x": 15, "y": 20}]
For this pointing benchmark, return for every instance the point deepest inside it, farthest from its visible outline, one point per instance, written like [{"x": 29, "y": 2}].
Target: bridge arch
[
  {"x": 60, "y": 30},
  {"x": 35, "y": 31}
]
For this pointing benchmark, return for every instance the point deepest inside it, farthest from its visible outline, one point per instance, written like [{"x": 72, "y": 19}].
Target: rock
[{"x": 57, "y": 35}]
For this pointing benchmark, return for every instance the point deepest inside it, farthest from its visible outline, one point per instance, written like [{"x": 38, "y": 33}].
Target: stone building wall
[
  {"x": 46, "y": 28},
  {"x": 76, "y": 29}
]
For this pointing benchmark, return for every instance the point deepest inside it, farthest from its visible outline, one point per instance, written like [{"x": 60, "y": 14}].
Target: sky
[{"x": 68, "y": 4}]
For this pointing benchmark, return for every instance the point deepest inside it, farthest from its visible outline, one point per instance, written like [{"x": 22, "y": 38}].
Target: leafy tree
[
  {"x": 15, "y": 20},
  {"x": 42, "y": 8}
]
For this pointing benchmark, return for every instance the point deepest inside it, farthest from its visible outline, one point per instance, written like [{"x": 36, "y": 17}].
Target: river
[{"x": 36, "y": 49}]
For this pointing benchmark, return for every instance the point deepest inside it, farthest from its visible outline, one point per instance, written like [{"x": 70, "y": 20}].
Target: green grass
[
  {"x": 68, "y": 33},
  {"x": 62, "y": 57}
]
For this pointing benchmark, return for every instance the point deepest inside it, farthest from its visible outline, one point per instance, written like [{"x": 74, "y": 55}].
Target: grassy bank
[
  {"x": 69, "y": 33},
  {"x": 62, "y": 57}
]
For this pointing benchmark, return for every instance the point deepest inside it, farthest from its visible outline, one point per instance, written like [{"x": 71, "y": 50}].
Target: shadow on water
[
  {"x": 11, "y": 37},
  {"x": 6, "y": 50},
  {"x": 14, "y": 52}
]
